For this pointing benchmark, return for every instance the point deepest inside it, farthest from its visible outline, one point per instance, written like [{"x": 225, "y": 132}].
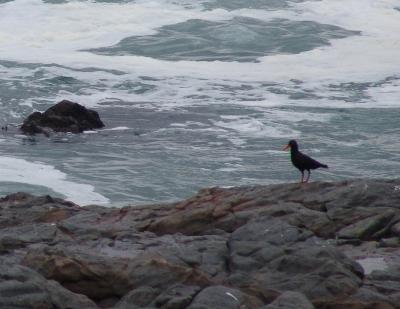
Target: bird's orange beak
[{"x": 286, "y": 147}]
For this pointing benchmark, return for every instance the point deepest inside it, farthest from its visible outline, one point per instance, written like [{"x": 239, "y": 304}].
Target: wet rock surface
[
  {"x": 65, "y": 116},
  {"x": 316, "y": 245}
]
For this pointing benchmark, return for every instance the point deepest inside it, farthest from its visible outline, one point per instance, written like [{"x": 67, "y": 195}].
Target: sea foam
[
  {"x": 59, "y": 34},
  {"x": 39, "y": 174}
]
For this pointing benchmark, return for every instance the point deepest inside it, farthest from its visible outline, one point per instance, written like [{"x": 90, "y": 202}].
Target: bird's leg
[
  {"x": 308, "y": 176},
  {"x": 302, "y": 177}
]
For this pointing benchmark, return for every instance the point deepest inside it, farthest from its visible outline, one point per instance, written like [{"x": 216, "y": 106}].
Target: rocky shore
[{"x": 316, "y": 245}]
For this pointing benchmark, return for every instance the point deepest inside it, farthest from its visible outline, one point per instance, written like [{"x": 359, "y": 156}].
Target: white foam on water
[
  {"x": 15, "y": 73},
  {"x": 291, "y": 116},
  {"x": 57, "y": 33},
  {"x": 234, "y": 168},
  {"x": 388, "y": 94},
  {"x": 54, "y": 31},
  {"x": 92, "y": 98},
  {"x": 116, "y": 129},
  {"x": 122, "y": 128},
  {"x": 76, "y": 25},
  {"x": 252, "y": 127},
  {"x": 39, "y": 174}
]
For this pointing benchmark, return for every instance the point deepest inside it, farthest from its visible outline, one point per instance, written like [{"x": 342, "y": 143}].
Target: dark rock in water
[
  {"x": 278, "y": 246},
  {"x": 65, "y": 116}
]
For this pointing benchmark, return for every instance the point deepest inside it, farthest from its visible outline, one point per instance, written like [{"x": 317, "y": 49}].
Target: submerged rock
[
  {"x": 65, "y": 116},
  {"x": 278, "y": 246}
]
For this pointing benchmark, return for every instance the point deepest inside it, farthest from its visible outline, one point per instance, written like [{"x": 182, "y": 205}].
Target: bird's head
[{"x": 292, "y": 145}]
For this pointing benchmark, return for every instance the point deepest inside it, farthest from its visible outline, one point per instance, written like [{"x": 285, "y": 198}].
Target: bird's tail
[{"x": 324, "y": 165}]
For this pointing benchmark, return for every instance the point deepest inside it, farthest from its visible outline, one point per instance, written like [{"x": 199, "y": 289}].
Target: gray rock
[
  {"x": 386, "y": 281},
  {"x": 176, "y": 297},
  {"x": 138, "y": 298},
  {"x": 366, "y": 228},
  {"x": 369, "y": 295},
  {"x": 290, "y": 300},
  {"x": 276, "y": 256},
  {"x": 22, "y": 208},
  {"x": 393, "y": 242},
  {"x": 222, "y": 297},
  {"x": 21, "y": 287},
  {"x": 396, "y": 229}
]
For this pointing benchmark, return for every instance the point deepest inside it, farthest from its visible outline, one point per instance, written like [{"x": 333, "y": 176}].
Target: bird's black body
[{"x": 302, "y": 161}]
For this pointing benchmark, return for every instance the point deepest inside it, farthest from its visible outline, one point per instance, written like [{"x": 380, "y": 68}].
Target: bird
[{"x": 301, "y": 161}]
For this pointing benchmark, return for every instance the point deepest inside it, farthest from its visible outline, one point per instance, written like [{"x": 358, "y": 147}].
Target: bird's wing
[{"x": 308, "y": 162}]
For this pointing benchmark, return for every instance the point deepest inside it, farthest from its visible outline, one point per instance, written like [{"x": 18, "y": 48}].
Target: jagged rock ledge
[{"x": 278, "y": 246}]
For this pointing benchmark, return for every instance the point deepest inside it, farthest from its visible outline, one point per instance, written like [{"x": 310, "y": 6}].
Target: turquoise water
[
  {"x": 240, "y": 39},
  {"x": 198, "y": 94}
]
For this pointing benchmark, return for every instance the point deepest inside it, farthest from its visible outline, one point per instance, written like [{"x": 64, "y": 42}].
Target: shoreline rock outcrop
[
  {"x": 65, "y": 116},
  {"x": 316, "y": 245}
]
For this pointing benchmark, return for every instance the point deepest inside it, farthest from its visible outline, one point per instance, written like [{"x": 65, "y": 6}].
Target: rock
[
  {"x": 396, "y": 229},
  {"x": 348, "y": 304},
  {"x": 21, "y": 287},
  {"x": 20, "y": 236},
  {"x": 393, "y": 242},
  {"x": 228, "y": 209},
  {"x": 179, "y": 296},
  {"x": 290, "y": 300},
  {"x": 138, "y": 298},
  {"x": 65, "y": 116},
  {"x": 386, "y": 281},
  {"x": 276, "y": 256},
  {"x": 223, "y": 297},
  {"x": 369, "y": 295},
  {"x": 248, "y": 247},
  {"x": 366, "y": 228},
  {"x": 21, "y": 208},
  {"x": 395, "y": 299},
  {"x": 110, "y": 269},
  {"x": 104, "y": 277}
]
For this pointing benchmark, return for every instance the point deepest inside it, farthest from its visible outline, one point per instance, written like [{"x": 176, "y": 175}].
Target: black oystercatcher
[{"x": 302, "y": 161}]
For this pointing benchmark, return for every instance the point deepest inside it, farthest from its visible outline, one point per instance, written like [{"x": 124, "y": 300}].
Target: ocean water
[{"x": 198, "y": 93}]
